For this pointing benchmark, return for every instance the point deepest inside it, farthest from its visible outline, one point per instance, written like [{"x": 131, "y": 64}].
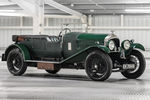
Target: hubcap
[
  {"x": 15, "y": 63},
  {"x": 136, "y": 61},
  {"x": 97, "y": 68}
]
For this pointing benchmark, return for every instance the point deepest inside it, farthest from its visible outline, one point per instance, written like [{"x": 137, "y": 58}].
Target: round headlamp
[
  {"x": 111, "y": 45},
  {"x": 126, "y": 44}
]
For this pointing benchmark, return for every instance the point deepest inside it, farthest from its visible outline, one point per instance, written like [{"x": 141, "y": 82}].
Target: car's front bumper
[{"x": 3, "y": 57}]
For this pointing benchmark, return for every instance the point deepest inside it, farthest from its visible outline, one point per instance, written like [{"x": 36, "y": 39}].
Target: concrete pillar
[{"x": 38, "y": 19}]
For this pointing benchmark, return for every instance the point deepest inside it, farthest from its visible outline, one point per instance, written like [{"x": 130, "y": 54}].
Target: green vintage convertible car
[{"x": 98, "y": 54}]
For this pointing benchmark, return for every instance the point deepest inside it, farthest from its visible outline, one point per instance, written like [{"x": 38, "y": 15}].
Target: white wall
[
  {"x": 15, "y": 25},
  {"x": 140, "y": 35},
  {"x": 134, "y": 27}
]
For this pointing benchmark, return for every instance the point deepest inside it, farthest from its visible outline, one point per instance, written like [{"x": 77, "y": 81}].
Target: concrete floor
[{"x": 71, "y": 85}]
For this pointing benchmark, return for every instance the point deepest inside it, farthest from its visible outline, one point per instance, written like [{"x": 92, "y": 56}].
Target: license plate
[
  {"x": 46, "y": 66},
  {"x": 128, "y": 66}
]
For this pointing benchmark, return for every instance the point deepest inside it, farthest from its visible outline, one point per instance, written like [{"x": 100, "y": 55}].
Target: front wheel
[
  {"x": 98, "y": 66},
  {"x": 138, "y": 59},
  {"x": 15, "y": 62}
]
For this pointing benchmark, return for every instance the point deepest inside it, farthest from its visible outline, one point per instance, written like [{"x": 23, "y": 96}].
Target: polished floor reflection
[{"x": 71, "y": 85}]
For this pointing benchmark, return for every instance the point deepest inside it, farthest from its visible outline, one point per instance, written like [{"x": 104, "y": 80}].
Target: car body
[{"x": 98, "y": 54}]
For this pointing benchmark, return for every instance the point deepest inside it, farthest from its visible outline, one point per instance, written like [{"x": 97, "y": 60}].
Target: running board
[{"x": 39, "y": 61}]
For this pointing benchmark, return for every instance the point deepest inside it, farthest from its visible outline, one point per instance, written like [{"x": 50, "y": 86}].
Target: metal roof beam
[
  {"x": 104, "y": 1},
  {"x": 34, "y": 8},
  {"x": 63, "y": 8},
  {"x": 26, "y": 6},
  {"x": 69, "y": 11}
]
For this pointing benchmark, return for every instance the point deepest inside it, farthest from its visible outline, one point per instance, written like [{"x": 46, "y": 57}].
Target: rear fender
[{"x": 23, "y": 49}]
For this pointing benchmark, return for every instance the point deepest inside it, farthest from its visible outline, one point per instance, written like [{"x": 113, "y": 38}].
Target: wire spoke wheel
[
  {"x": 138, "y": 59},
  {"x": 98, "y": 66},
  {"x": 15, "y": 62}
]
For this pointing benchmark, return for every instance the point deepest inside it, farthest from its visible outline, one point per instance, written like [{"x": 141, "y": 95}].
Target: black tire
[
  {"x": 56, "y": 69},
  {"x": 133, "y": 74},
  {"x": 15, "y": 62},
  {"x": 94, "y": 62}
]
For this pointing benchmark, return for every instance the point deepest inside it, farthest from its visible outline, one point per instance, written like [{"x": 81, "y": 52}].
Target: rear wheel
[
  {"x": 56, "y": 69},
  {"x": 98, "y": 66},
  {"x": 138, "y": 59},
  {"x": 15, "y": 62}
]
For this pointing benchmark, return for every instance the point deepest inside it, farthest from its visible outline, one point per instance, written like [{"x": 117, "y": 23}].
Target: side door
[{"x": 53, "y": 47}]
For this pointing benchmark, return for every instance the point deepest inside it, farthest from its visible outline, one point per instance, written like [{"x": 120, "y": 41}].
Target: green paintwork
[
  {"x": 133, "y": 46},
  {"x": 92, "y": 36},
  {"x": 70, "y": 48},
  {"x": 23, "y": 49},
  {"x": 103, "y": 48},
  {"x": 138, "y": 46},
  {"x": 80, "y": 41}
]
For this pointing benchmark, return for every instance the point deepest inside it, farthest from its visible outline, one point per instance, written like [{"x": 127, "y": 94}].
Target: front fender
[
  {"x": 23, "y": 48},
  {"x": 137, "y": 46},
  {"x": 103, "y": 48}
]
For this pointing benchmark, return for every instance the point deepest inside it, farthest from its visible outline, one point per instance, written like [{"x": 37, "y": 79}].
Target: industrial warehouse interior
[{"x": 127, "y": 21}]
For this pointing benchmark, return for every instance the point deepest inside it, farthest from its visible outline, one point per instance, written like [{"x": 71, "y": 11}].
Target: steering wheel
[{"x": 65, "y": 29}]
